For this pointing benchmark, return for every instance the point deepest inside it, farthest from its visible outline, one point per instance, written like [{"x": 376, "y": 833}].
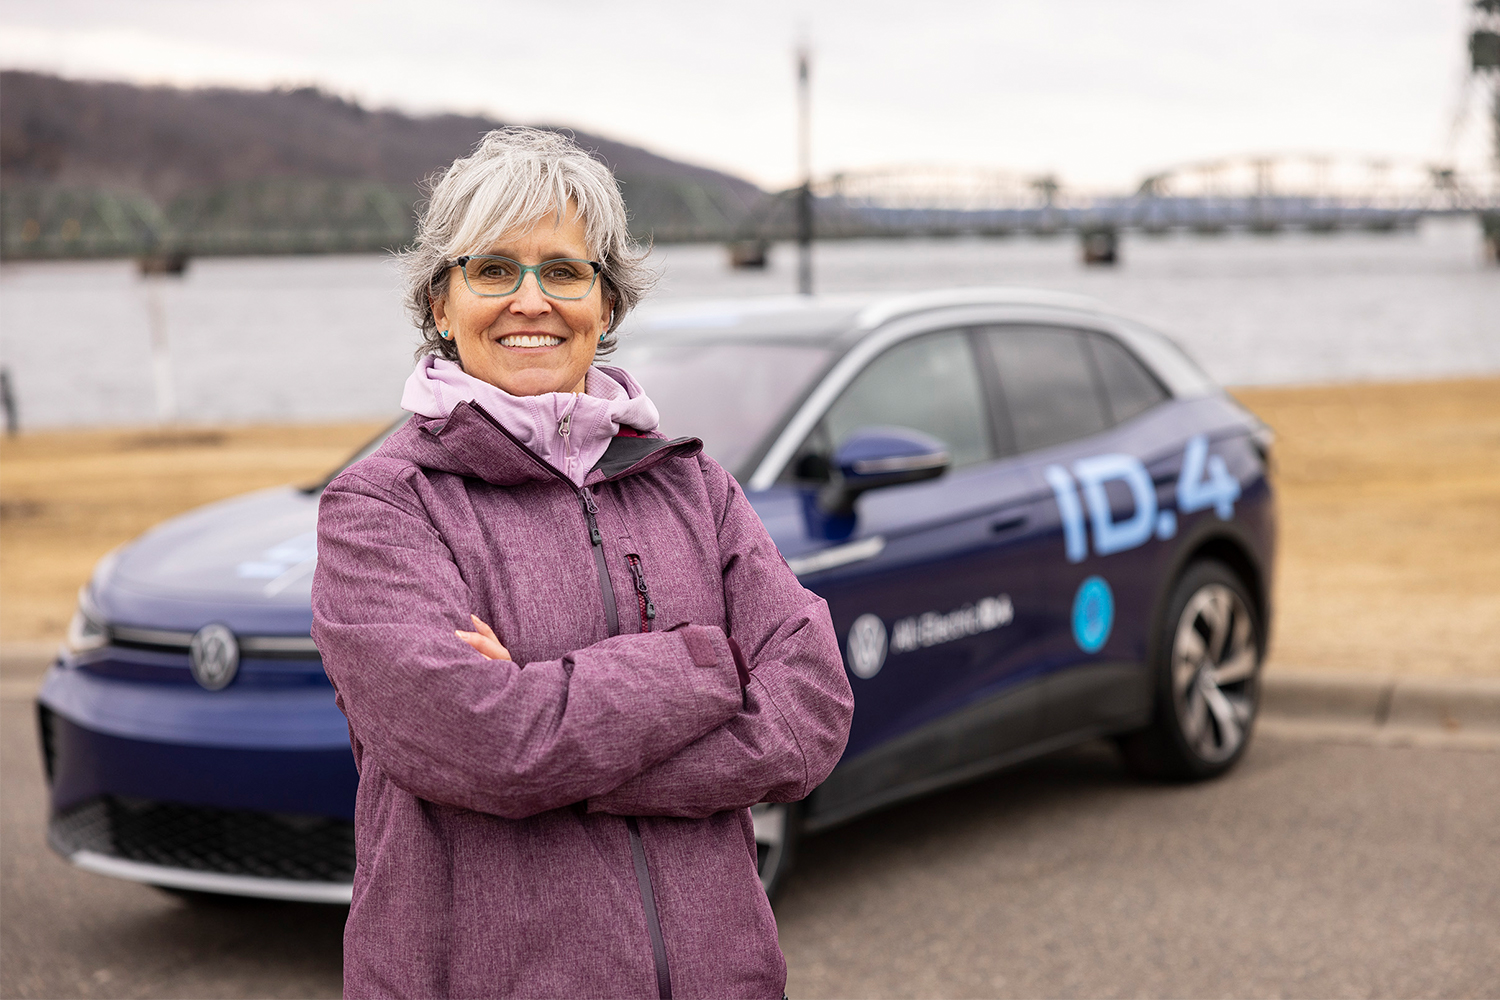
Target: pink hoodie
[{"x": 569, "y": 431}]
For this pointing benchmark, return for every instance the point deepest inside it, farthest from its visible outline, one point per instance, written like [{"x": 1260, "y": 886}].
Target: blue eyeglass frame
[{"x": 462, "y": 263}]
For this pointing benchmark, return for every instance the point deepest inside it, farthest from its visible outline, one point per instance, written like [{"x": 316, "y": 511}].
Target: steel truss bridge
[
  {"x": 1255, "y": 193},
  {"x": 269, "y": 217}
]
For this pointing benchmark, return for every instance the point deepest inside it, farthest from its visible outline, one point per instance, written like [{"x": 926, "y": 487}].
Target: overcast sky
[{"x": 1100, "y": 91}]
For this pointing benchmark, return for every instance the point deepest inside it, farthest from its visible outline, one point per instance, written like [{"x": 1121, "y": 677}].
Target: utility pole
[
  {"x": 1484, "y": 59},
  {"x": 161, "y": 349},
  {"x": 804, "y": 166}
]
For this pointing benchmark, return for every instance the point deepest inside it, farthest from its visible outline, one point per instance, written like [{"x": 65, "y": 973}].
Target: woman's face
[{"x": 525, "y": 342}]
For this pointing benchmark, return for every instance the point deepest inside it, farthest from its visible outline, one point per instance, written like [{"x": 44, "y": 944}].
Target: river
[{"x": 324, "y": 338}]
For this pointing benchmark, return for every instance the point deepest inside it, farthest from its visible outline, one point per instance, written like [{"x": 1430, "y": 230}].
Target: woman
[{"x": 570, "y": 656}]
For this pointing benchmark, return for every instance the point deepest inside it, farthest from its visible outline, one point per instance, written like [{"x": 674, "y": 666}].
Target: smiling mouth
[{"x": 530, "y": 340}]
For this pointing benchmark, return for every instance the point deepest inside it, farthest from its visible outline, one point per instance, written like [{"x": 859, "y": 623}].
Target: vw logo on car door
[
  {"x": 867, "y": 646},
  {"x": 215, "y": 656}
]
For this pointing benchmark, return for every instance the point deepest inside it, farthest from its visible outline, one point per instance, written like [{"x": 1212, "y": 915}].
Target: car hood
[{"x": 247, "y": 562}]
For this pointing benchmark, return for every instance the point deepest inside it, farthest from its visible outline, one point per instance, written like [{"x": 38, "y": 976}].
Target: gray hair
[{"x": 514, "y": 178}]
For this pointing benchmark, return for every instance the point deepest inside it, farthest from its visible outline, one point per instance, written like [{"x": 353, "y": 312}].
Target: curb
[{"x": 1390, "y": 709}]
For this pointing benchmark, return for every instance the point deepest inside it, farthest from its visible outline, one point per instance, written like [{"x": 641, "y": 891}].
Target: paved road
[{"x": 1316, "y": 869}]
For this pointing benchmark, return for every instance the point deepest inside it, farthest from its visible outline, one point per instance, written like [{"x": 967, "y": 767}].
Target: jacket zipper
[
  {"x": 596, "y": 543},
  {"x": 612, "y": 619},
  {"x": 642, "y": 595},
  {"x": 648, "y": 896},
  {"x": 637, "y": 846}
]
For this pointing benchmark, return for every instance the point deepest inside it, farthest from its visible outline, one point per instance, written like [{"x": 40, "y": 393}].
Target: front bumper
[
  {"x": 246, "y": 791},
  {"x": 234, "y": 852}
]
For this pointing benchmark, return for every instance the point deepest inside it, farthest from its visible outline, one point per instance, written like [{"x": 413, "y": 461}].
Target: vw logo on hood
[{"x": 215, "y": 656}]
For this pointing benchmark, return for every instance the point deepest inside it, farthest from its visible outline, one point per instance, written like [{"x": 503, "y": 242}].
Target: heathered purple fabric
[{"x": 493, "y": 853}]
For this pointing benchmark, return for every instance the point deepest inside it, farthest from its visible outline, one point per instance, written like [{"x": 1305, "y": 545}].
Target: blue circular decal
[{"x": 1093, "y": 614}]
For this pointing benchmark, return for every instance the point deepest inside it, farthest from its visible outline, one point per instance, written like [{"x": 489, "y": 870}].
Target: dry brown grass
[
  {"x": 1389, "y": 498},
  {"x": 68, "y": 497},
  {"x": 1390, "y": 526}
]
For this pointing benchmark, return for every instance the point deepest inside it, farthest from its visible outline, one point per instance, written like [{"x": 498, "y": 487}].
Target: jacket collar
[{"x": 469, "y": 442}]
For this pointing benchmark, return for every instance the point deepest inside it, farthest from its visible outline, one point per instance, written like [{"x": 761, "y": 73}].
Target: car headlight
[{"x": 87, "y": 629}]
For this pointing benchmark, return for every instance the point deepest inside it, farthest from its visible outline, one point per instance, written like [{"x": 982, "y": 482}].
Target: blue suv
[{"x": 1035, "y": 523}]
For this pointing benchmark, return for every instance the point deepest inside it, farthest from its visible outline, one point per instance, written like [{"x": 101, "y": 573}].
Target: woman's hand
[{"x": 484, "y": 640}]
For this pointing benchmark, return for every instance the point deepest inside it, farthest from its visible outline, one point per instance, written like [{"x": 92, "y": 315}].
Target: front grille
[
  {"x": 266, "y": 647},
  {"x": 206, "y": 839}
]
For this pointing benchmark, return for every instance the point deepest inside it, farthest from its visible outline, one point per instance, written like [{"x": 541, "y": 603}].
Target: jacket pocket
[{"x": 642, "y": 592}]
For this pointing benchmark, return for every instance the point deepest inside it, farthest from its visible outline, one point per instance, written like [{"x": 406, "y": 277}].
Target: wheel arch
[
  {"x": 1224, "y": 542},
  {"x": 1236, "y": 556}
]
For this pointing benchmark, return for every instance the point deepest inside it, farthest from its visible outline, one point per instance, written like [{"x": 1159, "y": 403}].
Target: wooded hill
[{"x": 106, "y": 156}]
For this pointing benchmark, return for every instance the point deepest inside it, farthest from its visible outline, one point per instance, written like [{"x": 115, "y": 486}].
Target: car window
[
  {"x": 1128, "y": 388},
  {"x": 1049, "y": 388},
  {"x": 729, "y": 394},
  {"x": 930, "y": 384}
]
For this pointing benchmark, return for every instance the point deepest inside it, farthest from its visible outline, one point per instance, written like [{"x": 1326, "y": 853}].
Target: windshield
[
  {"x": 365, "y": 450},
  {"x": 729, "y": 393}
]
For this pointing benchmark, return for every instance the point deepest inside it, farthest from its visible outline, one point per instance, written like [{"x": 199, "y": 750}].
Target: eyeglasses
[{"x": 564, "y": 278}]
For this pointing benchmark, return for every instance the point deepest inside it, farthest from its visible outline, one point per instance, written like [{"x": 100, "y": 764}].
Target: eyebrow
[{"x": 551, "y": 254}]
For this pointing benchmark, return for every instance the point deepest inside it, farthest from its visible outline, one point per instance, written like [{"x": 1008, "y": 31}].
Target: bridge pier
[
  {"x": 1101, "y": 245},
  {"x": 749, "y": 254},
  {"x": 171, "y": 262},
  {"x": 1490, "y": 223}
]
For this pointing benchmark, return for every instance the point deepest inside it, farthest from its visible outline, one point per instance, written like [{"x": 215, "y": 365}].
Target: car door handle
[{"x": 1008, "y": 524}]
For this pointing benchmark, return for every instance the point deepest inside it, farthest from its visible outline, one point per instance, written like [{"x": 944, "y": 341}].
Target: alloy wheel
[
  {"x": 1214, "y": 660},
  {"x": 776, "y": 833}
]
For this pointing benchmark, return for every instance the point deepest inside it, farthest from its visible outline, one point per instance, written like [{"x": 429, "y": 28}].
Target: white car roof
[{"x": 844, "y": 319}]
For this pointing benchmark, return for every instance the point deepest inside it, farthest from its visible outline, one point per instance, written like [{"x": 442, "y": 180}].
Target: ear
[
  {"x": 439, "y": 311},
  {"x": 606, "y": 311}
]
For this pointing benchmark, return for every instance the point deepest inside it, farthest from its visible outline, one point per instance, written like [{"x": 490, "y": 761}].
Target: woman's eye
[
  {"x": 494, "y": 270},
  {"x": 563, "y": 272}
]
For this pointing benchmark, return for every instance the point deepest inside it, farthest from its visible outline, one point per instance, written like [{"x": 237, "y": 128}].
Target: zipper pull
[
  {"x": 648, "y": 608},
  {"x": 565, "y": 424},
  {"x": 589, "y": 510}
]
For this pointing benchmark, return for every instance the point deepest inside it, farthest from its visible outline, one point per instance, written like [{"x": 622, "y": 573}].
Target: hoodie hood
[{"x": 569, "y": 431}]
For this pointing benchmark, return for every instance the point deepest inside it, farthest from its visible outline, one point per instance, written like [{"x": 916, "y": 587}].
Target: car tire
[
  {"x": 1206, "y": 679},
  {"x": 778, "y": 830}
]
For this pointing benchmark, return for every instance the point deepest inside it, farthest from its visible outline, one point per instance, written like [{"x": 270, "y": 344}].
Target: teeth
[{"x": 530, "y": 340}]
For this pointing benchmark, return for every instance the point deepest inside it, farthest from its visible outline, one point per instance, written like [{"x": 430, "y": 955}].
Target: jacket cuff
[{"x": 704, "y": 649}]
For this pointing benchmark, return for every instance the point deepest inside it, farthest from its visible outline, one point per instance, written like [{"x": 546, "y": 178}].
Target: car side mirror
[{"x": 873, "y": 458}]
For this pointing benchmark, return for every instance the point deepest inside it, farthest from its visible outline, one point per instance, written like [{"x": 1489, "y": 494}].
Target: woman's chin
[{"x": 533, "y": 381}]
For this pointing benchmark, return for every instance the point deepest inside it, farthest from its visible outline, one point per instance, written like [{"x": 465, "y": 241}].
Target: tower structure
[{"x": 1484, "y": 61}]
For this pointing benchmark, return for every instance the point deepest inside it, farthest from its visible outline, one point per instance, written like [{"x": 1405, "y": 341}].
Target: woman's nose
[{"x": 528, "y": 299}]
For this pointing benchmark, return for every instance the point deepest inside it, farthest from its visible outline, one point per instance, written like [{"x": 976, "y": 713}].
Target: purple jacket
[{"x": 574, "y": 823}]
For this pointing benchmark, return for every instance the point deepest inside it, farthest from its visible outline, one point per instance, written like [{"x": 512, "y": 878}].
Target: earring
[{"x": 445, "y": 335}]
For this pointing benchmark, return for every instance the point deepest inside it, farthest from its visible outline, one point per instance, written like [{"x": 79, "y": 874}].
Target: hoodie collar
[
  {"x": 568, "y": 431},
  {"x": 470, "y": 442}
]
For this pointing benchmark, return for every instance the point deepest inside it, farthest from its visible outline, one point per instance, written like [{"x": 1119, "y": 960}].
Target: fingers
[
  {"x": 484, "y": 641},
  {"x": 483, "y": 628},
  {"x": 483, "y": 645}
]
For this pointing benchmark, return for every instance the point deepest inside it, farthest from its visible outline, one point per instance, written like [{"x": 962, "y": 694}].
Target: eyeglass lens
[{"x": 561, "y": 279}]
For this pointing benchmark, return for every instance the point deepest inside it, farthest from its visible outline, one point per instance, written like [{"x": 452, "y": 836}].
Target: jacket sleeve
[
  {"x": 797, "y": 708},
  {"x": 449, "y": 726}
]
